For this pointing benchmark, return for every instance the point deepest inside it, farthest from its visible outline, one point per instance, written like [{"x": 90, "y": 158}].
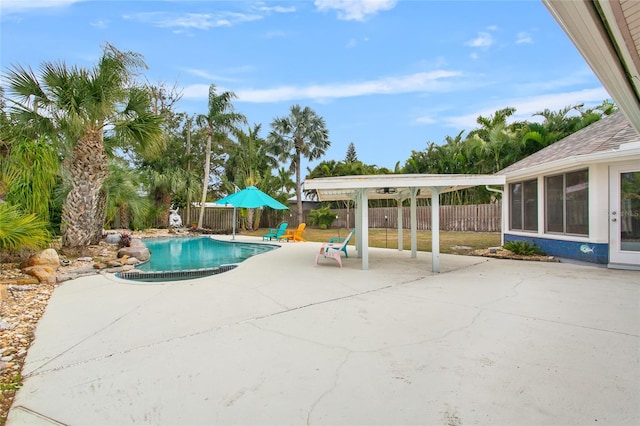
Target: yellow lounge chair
[{"x": 294, "y": 235}]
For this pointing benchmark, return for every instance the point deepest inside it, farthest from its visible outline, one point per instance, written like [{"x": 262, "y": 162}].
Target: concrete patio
[{"x": 278, "y": 341}]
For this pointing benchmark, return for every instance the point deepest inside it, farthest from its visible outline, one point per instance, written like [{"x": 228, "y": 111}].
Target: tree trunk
[
  {"x": 298, "y": 189},
  {"x": 100, "y": 218},
  {"x": 80, "y": 211},
  {"x": 123, "y": 215},
  {"x": 249, "y": 221},
  {"x": 163, "y": 199},
  {"x": 205, "y": 180}
]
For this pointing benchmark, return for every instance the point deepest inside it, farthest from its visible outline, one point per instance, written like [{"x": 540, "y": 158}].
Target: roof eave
[
  {"x": 631, "y": 154},
  {"x": 596, "y": 29}
]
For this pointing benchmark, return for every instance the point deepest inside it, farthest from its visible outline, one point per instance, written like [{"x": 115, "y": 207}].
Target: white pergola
[{"x": 361, "y": 189}]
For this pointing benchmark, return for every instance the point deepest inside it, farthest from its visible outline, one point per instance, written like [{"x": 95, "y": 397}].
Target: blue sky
[{"x": 389, "y": 76}]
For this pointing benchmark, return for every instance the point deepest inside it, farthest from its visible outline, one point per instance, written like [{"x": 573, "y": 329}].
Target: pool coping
[{"x": 137, "y": 275}]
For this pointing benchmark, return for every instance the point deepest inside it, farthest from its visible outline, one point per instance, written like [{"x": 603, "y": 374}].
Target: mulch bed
[{"x": 500, "y": 253}]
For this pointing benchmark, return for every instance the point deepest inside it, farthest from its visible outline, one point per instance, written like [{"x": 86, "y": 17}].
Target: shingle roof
[{"x": 606, "y": 134}]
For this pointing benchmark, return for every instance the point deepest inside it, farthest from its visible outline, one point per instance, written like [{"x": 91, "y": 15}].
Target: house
[
  {"x": 309, "y": 202},
  {"x": 579, "y": 198}
]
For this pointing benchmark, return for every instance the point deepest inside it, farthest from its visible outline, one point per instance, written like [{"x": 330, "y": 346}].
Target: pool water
[{"x": 183, "y": 258}]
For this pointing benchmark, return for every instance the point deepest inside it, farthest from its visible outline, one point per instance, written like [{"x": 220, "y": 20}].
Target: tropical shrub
[
  {"x": 20, "y": 231},
  {"x": 322, "y": 217},
  {"x": 526, "y": 248}
]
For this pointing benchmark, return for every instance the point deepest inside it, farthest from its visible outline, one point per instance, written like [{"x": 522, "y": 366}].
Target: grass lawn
[{"x": 450, "y": 242}]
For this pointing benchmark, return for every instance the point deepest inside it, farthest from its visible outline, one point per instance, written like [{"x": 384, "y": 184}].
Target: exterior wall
[
  {"x": 593, "y": 248},
  {"x": 599, "y": 203},
  {"x": 576, "y": 250}
]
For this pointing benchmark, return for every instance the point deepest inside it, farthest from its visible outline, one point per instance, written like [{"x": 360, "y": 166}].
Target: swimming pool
[{"x": 184, "y": 258}]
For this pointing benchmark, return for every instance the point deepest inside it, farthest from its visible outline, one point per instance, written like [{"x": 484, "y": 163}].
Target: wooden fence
[
  {"x": 217, "y": 218},
  {"x": 476, "y": 218}
]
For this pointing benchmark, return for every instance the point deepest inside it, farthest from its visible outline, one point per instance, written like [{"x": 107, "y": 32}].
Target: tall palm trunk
[
  {"x": 298, "y": 188},
  {"x": 205, "y": 178},
  {"x": 80, "y": 212},
  {"x": 101, "y": 216},
  {"x": 163, "y": 199},
  {"x": 249, "y": 221},
  {"x": 123, "y": 216}
]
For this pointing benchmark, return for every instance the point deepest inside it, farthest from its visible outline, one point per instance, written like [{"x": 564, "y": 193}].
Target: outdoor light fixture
[{"x": 385, "y": 191}]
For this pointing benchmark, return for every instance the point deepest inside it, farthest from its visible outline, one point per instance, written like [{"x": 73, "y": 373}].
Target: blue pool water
[{"x": 202, "y": 256}]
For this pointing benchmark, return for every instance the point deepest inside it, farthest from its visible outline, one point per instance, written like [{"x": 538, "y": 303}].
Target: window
[
  {"x": 567, "y": 203},
  {"x": 523, "y": 211}
]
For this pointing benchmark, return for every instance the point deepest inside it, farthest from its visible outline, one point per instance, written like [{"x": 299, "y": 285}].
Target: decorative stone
[
  {"x": 27, "y": 281},
  {"x": 48, "y": 257},
  {"x": 140, "y": 253},
  {"x": 44, "y": 274},
  {"x": 85, "y": 259},
  {"x": 132, "y": 260},
  {"x": 113, "y": 238},
  {"x": 137, "y": 242}
]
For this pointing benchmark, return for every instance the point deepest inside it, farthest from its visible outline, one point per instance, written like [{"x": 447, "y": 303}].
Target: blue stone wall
[{"x": 577, "y": 250}]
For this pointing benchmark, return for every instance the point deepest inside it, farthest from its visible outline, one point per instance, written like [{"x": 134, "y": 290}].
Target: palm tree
[
  {"x": 248, "y": 164},
  {"x": 302, "y": 134},
  {"x": 125, "y": 204},
  {"x": 285, "y": 183},
  {"x": 219, "y": 121},
  {"x": 88, "y": 108}
]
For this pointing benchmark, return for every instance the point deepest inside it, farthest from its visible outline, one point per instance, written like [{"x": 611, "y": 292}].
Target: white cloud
[
  {"x": 276, "y": 9},
  {"x": 580, "y": 77},
  {"x": 207, "y": 75},
  {"x": 355, "y": 10},
  {"x": 483, "y": 39},
  {"x": 8, "y": 6},
  {"x": 413, "y": 83},
  {"x": 354, "y": 42},
  {"x": 524, "y": 38},
  {"x": 526, "y": 107},
  {"x": 198, "y": 21},
  {"x": 101, "y": 23},
  {"x": 426, "y": 119}
]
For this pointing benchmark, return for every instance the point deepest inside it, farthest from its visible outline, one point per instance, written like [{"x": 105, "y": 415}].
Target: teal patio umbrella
[{"x": 249, "y": 198}]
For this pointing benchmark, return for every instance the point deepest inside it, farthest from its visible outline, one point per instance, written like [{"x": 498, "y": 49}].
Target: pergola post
[
  {"x": 414, "y": 223},
  {"x": 363, "y": 234},
  {"x": 358, "y": 226},
  {"x": 400, "y": 242},
  {"x": 435, "y": 229}
]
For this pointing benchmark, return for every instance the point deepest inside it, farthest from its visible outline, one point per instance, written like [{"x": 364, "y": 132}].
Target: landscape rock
[
  {"x": 44, "y": 274},
  {"x": 48, "y": 257},
  {"x": 141, "y": 253},
  {"x": 113, "y": 238},
  {"x": 137, "y": 242}
]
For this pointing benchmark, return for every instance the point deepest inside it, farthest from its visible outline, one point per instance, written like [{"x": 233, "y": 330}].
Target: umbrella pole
[{"x": 234, "y": 224}]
